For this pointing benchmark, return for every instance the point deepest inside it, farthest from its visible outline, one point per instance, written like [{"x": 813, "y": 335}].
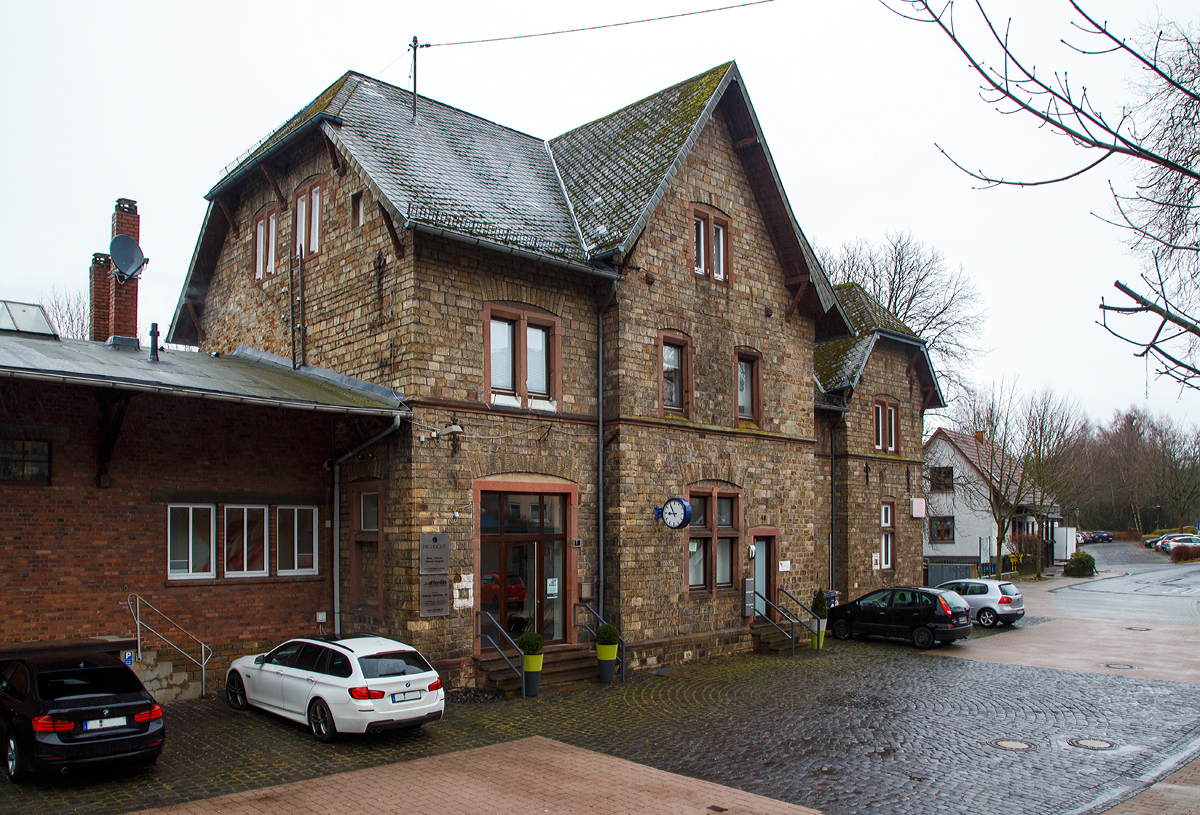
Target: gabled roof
[
  {"x": 246, "y": 377},
  {"x": 993, "y": 465},
  {"x": 572, "y": 202},
  {"x": 839, "y": 363}
]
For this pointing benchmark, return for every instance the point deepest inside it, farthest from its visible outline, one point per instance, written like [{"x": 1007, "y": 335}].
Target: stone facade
[
  {"x": 867, "y": 477},
  {"x": 415, "y": 320}
]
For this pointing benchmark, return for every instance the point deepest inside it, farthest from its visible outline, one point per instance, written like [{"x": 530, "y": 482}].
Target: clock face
[{"x": 676, "y": 513}]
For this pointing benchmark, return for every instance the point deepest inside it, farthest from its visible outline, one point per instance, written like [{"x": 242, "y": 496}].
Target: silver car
[{"x": 991, "y": 601}]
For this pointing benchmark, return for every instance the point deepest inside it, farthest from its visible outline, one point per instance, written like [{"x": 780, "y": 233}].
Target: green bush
[
  {"x": 1081, "y": 564},
  {"x": 819, "y": 609},
  {"x": 530, "y": 643},
  {"x": 607, "y": 635}
]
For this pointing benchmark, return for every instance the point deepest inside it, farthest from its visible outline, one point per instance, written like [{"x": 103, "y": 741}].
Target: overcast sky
[{"x": 151, "y": 100}]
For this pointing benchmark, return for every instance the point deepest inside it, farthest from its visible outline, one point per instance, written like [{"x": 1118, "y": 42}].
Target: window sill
[{"x": 182, "y": 582}]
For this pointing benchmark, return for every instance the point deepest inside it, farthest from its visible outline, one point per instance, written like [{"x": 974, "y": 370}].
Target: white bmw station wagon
[{"x": 358, "y": 684}]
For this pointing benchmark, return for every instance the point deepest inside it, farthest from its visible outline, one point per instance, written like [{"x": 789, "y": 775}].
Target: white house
[{"x": 960, "y": 529}]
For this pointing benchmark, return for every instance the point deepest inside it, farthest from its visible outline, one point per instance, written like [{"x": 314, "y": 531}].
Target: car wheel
[
  {"x": 841, "y": 629},
  {"x": 986, "y": 617},
  {"x": 12, "y": 761},
  {"x": 922, "y": 637},
  {"x": 320, "y": 721},
  {"x": 235, "y": 692}
]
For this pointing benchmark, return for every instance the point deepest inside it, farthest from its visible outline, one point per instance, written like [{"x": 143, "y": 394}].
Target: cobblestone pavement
[{"x": 864, "y": 727}]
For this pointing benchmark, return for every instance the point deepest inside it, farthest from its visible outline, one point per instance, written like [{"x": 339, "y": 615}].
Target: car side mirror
[{"x": 258, "y": 660}]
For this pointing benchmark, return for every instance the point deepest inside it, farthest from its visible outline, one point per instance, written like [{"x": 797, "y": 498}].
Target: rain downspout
[
  {"x": 600, "y": 444},
  {"x": 336, "y": 466},
  {"x": 833, "y": 502}
]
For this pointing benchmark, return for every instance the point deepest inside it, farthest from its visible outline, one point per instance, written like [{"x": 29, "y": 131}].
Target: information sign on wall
[
  {"x": 435, "y": 595},
  {"x": 435, "y": 553}
]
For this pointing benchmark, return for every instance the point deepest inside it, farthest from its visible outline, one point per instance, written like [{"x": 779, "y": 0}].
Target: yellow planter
[
  {"x": 818, "y": 640},
  {"x": 605, "y": 652},
  {"x": 533, "y": 662}
]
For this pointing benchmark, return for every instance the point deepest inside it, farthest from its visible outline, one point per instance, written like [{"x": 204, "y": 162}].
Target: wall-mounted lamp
[{"x": 453, "y": 430}]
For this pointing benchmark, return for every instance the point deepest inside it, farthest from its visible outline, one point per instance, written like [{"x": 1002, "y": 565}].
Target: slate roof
[
  {"x": 247, "y": 376},
  {"x": 838, "y": 363},
  {"x": 570, "y": 201},
  {"x": 613, "y": 167}
]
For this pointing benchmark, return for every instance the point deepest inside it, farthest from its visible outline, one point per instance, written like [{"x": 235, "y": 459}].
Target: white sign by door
[
  {"x": 551, "y": 588},
  {"x": 785, "y": 565}
]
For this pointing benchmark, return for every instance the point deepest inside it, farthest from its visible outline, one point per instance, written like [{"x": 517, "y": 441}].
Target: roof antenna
[{"x": 414, "y": 45}]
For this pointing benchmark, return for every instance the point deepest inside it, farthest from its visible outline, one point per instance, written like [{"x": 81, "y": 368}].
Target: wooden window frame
[
  {"x": 362, "y": 538},
  {"x": 522, "y": 319},
  {"x": 24, "y": 458},
  {"x": 886, "y": 423},
  {"x": 269, "y": 265},
  {"x": 709, "y": 535},
  {"x": 303, "y": 228},
  {"x": 279, "y": 541},
  {"x": 938, "y": 483},
  {"x": 756, "y": 387},
  {"x": 683, "y": 342},
  {"x": 358, "y": 210},
  {"x": 945, "y": 522},
  {"x": 237, "y": 574},
  {"x": 708, "y": 219},
  {"x": 887, "y": 535},
  {"x": 212, "y": 543}
]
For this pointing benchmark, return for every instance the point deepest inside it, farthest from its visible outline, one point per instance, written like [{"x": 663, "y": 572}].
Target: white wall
[{"x": 973, "y": 521}]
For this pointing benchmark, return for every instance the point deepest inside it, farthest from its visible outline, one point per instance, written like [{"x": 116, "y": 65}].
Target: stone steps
[
  {"x": 768, "y": 639},
  {"x": 562, "y": 666}
]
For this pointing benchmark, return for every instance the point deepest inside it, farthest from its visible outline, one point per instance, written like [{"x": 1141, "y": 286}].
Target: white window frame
[
  {"x": 266, "y": 234},
  {"x": 212, "y": 542},
  {"x": 295, "y": 542},
  {"x": 306, "y": 219},
  {"x": 244, "y": 509},
  {"x": 887, "y": 537}
]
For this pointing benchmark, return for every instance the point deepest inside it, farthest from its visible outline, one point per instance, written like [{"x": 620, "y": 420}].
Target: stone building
[
  {"x": 873, "y": 391},
  {"x": 582, "y": 328}
]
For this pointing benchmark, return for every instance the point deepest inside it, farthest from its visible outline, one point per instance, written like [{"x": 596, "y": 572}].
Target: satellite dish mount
[{"x": 127, "y": 257}]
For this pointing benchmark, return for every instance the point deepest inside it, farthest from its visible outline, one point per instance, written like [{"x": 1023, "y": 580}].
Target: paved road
[
  {"x": 1144, "y": 586},
  {"x": 865, "y": 727}
]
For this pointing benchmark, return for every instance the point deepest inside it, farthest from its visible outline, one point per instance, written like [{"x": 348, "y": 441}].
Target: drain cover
[
  {"x": 1120, "y": 666},
  {"x": 1011, "y": 744},
  {"x": 1136, "y": 628},
  {"x": 1091, "y": 744}
]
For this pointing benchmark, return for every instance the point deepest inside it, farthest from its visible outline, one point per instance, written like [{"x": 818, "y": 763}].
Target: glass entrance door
[
  {"x": 762, "y": 557},
  {"x": 521, "y": 562}
]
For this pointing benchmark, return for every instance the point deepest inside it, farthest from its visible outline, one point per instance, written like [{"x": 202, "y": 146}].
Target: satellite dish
[{"x": 127, "y": 257}]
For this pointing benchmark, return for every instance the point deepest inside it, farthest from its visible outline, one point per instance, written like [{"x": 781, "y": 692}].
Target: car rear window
[
  {"x": 107, "y": 680},
  {"x": 393, "y": 663},
  {"x": 1008, "y": 590},
  {"x": 954, "y": 600}
]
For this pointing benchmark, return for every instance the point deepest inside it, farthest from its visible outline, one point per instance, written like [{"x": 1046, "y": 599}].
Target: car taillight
[
  {"x": 945, "y": 606},
  {"x": 48, "y": 724},
  {"x": 365, "y": 693},
  {"x": 436, "y": 684},
  {"x": 155, "y": 712},
  {"x": 1005, "y": 600}
]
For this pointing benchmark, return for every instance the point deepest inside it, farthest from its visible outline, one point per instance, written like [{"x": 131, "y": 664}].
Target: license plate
[
  {"x": 100, "y": 724},
  {"x": 406, "y": 696}
]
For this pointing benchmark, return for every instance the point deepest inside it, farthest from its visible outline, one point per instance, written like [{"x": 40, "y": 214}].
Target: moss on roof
[
  {"x": 837, "y": 363},
  {"x": 866, "y": 313}
]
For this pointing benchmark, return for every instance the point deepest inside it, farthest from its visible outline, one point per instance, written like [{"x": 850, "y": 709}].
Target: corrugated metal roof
[{"x": 246, "y": 376}]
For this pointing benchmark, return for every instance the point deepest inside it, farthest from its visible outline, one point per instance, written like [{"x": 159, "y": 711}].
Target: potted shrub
[
  {"x": 820, "y": 611},
  {"x": 607, "y": 638},
  {"x": 530, "y": 644},
  {"x": 1081, "y": 564}
]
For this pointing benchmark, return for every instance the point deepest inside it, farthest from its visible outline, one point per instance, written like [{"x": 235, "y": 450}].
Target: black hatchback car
[
  {"x": 924, "y": 616},
  {"x": 66, "y": 709}
]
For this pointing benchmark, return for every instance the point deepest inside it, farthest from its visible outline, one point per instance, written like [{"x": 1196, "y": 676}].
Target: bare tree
[
  {"x": 1126, "y": 459},
  {"x": 1176, "y": 470},
  {"x": 1159, "y": 131},
  {"x": 1024, "y": 446},
  {"x": 915, "y": 284},
  {"x": 69, "y": 313}
]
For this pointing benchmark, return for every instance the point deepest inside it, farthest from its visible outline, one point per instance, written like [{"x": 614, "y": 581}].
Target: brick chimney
[
  {"x": 114, "y": 303},
  {"x": 979, "y": 437}
]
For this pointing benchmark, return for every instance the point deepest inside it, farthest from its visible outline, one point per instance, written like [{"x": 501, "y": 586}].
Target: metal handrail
[
  {"x": 596, "y": 614},
  {"x": 135, "y": 603},
  {"x": 479, "y": 615},
  {"x": 786, "y": 616},
  {"x": 794, "y": 599}
]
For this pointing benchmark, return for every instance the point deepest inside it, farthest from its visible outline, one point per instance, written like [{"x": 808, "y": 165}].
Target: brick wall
[{"x": 74, "y": 551}]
